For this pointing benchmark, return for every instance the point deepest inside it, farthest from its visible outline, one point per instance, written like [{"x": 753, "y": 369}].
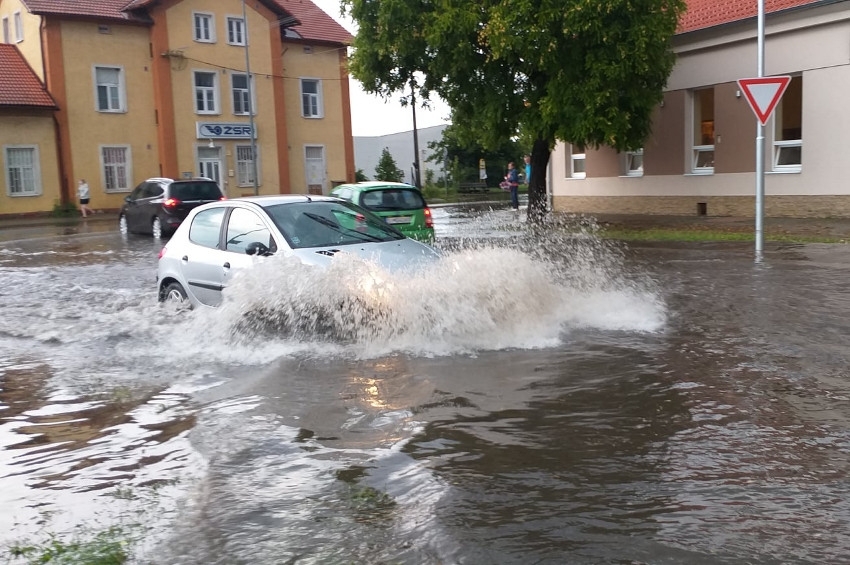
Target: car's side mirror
[
  {"x": 257, "y": 248},
  {"x": 127, "y": 199}
]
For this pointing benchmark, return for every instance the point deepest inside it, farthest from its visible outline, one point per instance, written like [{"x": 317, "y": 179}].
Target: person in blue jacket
[{"x": 513, "y": 180}]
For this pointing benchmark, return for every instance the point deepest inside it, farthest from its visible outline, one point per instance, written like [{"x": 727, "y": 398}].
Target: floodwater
[{"x": 534, "y": 398}]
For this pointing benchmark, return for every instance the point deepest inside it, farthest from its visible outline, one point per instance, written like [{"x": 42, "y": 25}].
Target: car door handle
[
  {"x": 226, "y": 265},
  {"x": 185, "y": 258}
]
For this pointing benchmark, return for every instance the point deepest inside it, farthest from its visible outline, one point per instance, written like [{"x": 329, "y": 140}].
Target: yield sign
[{"x": 763, "y": 94}]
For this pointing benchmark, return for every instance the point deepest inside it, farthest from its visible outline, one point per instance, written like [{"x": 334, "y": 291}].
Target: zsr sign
[{"x": 207, "y": 130}]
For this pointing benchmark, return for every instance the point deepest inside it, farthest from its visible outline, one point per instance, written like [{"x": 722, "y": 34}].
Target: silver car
[{"x": 219, "y": 239}]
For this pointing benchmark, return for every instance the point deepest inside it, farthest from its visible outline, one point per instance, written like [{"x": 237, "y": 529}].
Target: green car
[{"x": 400, "y": 205}]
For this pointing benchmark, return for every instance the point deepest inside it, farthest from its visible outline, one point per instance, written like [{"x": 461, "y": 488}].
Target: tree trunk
[{"x": 537, "y": 202}]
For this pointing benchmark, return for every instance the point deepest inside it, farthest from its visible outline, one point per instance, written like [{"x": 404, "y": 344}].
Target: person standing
[
  {"x": 83, "y": 193},
  {"x": 527, "y": 159},
  {"x": 513, "y": 180}
]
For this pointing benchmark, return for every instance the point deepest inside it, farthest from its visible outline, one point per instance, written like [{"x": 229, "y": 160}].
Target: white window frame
[
  {"x": 128, "y": 168},
  {"x": 19, "y": 27},
  {"x": 6, "y": 31},
  {"x": 631, "y": 158},
  {"x": 324, "y": 162},
  {"x": 574, "y": 157},
  {"x": 697, "y": 151},
  {"x": 35, "y": 171},
  {"x": 316, "y": 98},
  {"x": 236, "y": 25},
  {"x": 248, "y": 92},
  {"x": 120, "y": 88},
  {"x": 197, "y": 32},
  {"x": 213, "y": 90},
  {"x": 244, "y": 171},
  {"x": 779, "y": 144}
]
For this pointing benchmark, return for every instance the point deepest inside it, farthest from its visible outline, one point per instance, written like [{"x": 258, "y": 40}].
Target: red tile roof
[
  {"x": 312, "y": 23},
  {"x": 708, "y": 13},
  {"x": 315, "y": 24},
  {"x": 100, "y": 9},
  {"x": 19, "y": 85}
]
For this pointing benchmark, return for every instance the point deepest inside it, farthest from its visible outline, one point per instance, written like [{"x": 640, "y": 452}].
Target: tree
[
  {"x": 468, "y": 155},
  {"x": 586, "y": 72},
  {"x": 360, "y": 176},
  {"x": 387, "y": 170}
]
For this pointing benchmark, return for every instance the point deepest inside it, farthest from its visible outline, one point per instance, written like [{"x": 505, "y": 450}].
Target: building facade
[
  {"x": 368, "y": 150},
  {"x": 251, "y": 94},
  {"x": 701, "y": 156}
]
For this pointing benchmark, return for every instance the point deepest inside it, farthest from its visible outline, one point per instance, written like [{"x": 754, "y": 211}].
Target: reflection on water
[{"x": 653, "y": 404}]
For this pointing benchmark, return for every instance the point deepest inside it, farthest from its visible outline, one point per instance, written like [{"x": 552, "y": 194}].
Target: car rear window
[
  {"x": 195, "y": 191},
  {"x": 385, "y": 199}
]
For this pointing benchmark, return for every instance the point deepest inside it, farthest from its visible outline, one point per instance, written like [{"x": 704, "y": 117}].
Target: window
[
  {"x": 236, "y": 31},
  {"x": 314, "y": 166},
  {"x": 311, "y": 98},
  {"x": 577, "y": 160},
  {"x": 244, "y": 166},
  {"x": 244, "y": 228},
  {"x": 6, "y": 37},
  {"x": 206, "y": 227},
  {"x": 205, "y": 92},
  {"x": 703, "y": 126},
  {"x": 19, "y": 27},
  {"x": 241, "y": 93},
  {"x": 115, "y": 164},
  {"x": 204, "y": 27},
  {"x": 109, "y": 85},
  {"x": 788, "y": 128},
  {"x": 23, "y": 177},
  {"x": 634, "y": 163}
]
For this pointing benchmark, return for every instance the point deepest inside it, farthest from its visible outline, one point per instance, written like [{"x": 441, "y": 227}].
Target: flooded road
[{"x": 672, "y": 403}]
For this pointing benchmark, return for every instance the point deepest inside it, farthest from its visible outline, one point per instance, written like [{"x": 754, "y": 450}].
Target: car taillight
[
  {"x": 429, "y": 221},
  {"x": 161, "y": 253},
  {"x": 171, "y": 203},
  {"x": 223, "y": 198}
]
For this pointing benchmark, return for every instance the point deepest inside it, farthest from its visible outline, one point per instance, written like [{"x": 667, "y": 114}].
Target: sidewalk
[
  {"x": 805, "y": 227},
  {"x": 838, "y": 228}
]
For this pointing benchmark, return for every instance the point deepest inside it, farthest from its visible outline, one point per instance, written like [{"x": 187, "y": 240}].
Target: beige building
[
  {"x": 701, "y": 156},
  {"x": 254, "y": 95}
]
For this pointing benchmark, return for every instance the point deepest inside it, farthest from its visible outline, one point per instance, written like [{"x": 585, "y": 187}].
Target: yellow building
[{"x": 178, "y": 88}]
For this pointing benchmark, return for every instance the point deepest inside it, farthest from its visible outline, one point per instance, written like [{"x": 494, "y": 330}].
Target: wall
[
  {"x": 812, "y": 43},
  {"x": 315, "y": 61},
  {"x": 126, "y": 46},
  {"x": 30, "y": 128},
  {"x": 368, "y": 149}
]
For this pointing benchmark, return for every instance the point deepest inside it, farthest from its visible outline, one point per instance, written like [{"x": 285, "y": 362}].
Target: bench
[{"x": 478, "y": 186}]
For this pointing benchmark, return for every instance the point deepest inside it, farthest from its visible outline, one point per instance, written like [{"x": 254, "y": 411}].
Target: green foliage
[
  {"x": 67, "y": 210},
  {"x": 387, "y": 170},
  {"x": 360, "y": 176},
  {"x": 465, "y": 155},
  {"x": 105, "y": 548},
  {"x": 587, "y": 72}
]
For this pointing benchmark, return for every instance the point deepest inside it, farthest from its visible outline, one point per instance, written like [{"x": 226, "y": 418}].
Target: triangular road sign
[{"x": 763, "y": 94}]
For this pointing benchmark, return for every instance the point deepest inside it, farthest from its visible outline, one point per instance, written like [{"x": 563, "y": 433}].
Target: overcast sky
[{"x": 370, "y": 114}]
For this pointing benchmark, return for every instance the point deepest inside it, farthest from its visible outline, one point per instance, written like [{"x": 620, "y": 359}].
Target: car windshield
[
  {"x": 202, "y": 190},
  {"x": 325, "y": 223},
  {"x": 390, "y": 199}
]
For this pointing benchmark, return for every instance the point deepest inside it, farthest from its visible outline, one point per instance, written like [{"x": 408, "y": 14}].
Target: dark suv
[{"x": 158, "y": 205}]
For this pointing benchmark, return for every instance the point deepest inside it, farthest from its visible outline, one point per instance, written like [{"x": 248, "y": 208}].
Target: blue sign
[{"x": 222, "y": 130}]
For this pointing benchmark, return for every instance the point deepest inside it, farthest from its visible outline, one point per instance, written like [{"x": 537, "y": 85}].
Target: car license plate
[{"x": 399, "y": 220}]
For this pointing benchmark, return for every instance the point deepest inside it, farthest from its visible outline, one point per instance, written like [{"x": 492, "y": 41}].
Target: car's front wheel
[
  {"x": 122, "y": 225},
  {"x": 173, "y": 293},
  {"x": 156, "y": 227}
]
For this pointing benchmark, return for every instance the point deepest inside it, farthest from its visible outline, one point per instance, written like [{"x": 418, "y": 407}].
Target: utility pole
[
  {"x": 416, "y": 180},
  {"x": 250, "y": 105}
]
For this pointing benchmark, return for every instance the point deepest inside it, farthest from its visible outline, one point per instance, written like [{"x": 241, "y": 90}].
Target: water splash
[{"x": 523, "y": 289}]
